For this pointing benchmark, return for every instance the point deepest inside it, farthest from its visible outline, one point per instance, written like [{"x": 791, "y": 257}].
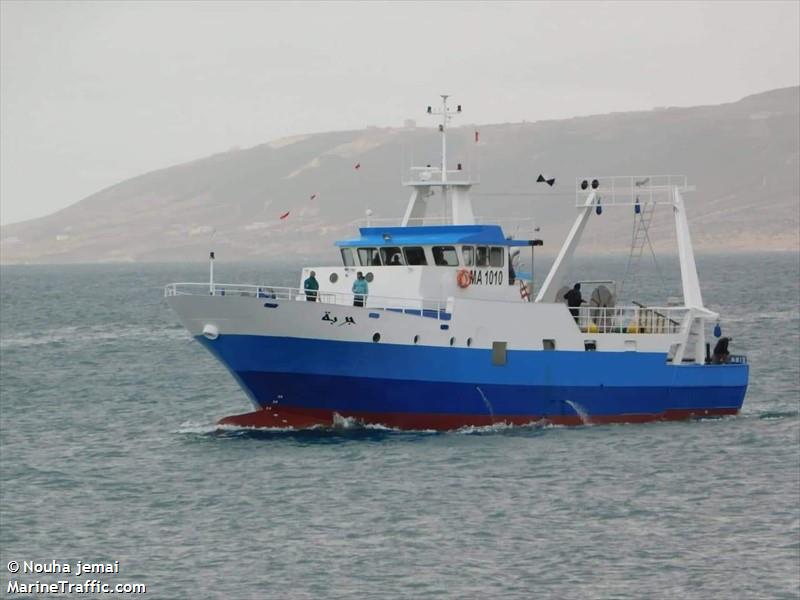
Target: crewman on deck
[
  {"x": 574, "y": 300},
  {"x": 360, "y": 290},
  {"x": 311, "y": 287},
  {"x": 721, "y": 354}
]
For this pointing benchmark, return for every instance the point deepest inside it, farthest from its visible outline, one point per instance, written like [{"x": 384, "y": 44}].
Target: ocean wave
[
  {"x": 776, "y": 415},
  {"x": 346, "y": 426},
  {"x": 504, "y": 427},
  {"x": 754, "y": 317},
  {"x": 73, "y": 335},
  {"x": 216, "y": 429}
]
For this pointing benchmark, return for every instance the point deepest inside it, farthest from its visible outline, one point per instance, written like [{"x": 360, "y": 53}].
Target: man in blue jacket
[
  {"x": 311, "y": 286},
  {"x": 360, "y": 290}
]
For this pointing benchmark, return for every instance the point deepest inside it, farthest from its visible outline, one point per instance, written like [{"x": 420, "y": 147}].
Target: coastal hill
[{"x": 743, "y": 157}]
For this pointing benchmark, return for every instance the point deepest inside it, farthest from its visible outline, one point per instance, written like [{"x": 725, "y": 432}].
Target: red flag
[
  {"x": 313, "y": 196},
  {"x": 284, "y": 215},
  {"x": 477, "y": 137},
  {"x": 357, "y": 167}
]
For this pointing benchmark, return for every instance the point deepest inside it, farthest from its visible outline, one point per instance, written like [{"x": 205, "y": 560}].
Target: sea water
[{"x": 109, "y": 453}]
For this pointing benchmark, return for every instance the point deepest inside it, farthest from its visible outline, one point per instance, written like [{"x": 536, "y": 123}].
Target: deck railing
[
  {"x": 631, "y": 319},
  {"x": 592, "y": 320},
  {"x": 510, "y": 225},
  {"x": 433, "y": 176},
  {"x": 436, "y": 308},
  {"x": 614, "y": 190}
]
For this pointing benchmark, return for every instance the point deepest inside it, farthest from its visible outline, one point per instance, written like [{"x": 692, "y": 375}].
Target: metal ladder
[{"x": 639, "y": 238}]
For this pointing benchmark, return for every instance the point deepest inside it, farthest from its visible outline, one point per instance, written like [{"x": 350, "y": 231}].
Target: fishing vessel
[{"x": 448, "y": 334}]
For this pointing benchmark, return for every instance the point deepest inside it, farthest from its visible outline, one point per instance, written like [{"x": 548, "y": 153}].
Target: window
[
  {"x": 590, "y": 345},
  {"x": 496, "y": 256},
  {"x": 369, "y": 257},
  {"x": 347, "y": 257},
  {"x": 549, "y": 344},
  {"x": 468, "y": 254},
  {"x": 445, "y": 256},
  {"x": 499, "y": 353},
  {"x": 482, "y": 256},
  {"x": 392, "y": 256},
  {"x": 415, "y": 255}
]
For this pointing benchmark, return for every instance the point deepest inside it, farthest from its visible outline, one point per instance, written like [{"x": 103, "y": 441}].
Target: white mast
[
  {"x": 690, "y": 282},
  {"x": 443, "y": 129},
  {"x": 550, "y": 286},
  {"x": 211, "y": 273},
  {"x": 446, "y": 116},
  {"x": 455, "y": 194}
]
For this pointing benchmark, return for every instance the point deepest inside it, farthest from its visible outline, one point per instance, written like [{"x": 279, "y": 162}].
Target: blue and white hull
[
  {"x": 337, "y": 369},
  {"x": 427, "y": 325}
]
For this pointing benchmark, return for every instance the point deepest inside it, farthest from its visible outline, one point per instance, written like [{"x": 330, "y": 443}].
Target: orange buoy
[{"x": 463, "y": 278}]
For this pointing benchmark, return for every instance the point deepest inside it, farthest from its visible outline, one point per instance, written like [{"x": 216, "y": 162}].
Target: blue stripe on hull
[{"x": 364, "y": 377}]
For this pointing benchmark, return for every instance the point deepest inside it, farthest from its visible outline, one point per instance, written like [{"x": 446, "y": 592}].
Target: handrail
[
  {"x": 626, "y": 190},
  {"x": 433, "y": 176},
  {"x": 441, "y": 309},
  {"x": 439, "y": 220},
  {"x": 636, "y": 319},
  {"x": 655, "y": 310},
  {"x": 630, "y": 319}
]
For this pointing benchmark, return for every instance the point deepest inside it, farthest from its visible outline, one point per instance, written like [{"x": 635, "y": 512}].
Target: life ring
[
  {"x": 524, "y": 293},
  {"x": 463, "y": 278}
]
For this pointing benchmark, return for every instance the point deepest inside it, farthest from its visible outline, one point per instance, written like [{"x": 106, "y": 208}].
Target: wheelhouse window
[
  {"x": 468, "y": 254},
  {"x": 482, "y": 256},
  {"x": 369, "y": 257},
  {"x": 445, "y": 256},
  {"x": 347, "y": 257},
  {"x": 496, "y": 256},
  {"x": 415, "y": 255},
  {"x": 391, "y": 256}
]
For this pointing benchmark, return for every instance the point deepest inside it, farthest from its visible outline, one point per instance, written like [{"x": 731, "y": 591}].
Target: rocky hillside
[{"x": 743, "y": 157}]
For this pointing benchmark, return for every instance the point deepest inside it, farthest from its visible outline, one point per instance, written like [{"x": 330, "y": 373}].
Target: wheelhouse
[{"x": 446, "y": 246}]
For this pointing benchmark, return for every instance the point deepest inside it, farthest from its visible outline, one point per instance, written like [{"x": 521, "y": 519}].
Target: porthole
[
  {"x": 376, "y": 337},
  {"x": 469, "y": 342},
  {"x": 416, "y": 339},
  {"x": 369, "y": 277},
  {"x": 333, "y": 278},
  {"x": 452, "y": 341}
]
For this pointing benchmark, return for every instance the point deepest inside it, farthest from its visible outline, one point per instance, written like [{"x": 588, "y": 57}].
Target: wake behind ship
[{"x": 442, "y": 331}]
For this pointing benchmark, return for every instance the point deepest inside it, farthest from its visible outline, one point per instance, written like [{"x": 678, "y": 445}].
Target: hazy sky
[{"x": 94, "y": 93}]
